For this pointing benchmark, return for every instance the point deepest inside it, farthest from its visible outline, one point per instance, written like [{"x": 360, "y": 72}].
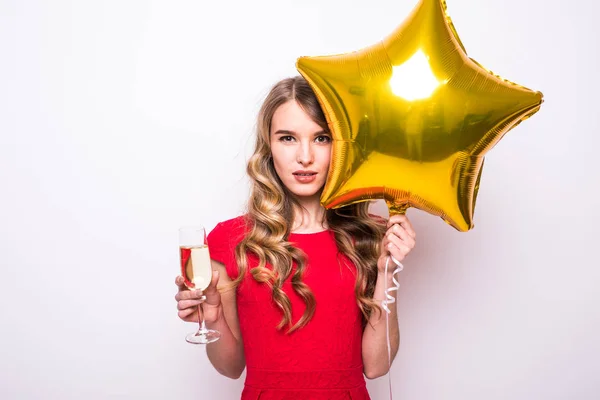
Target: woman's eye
[
  {"x": 286, "y": 138},
  {"x": 323, "y": 139}
]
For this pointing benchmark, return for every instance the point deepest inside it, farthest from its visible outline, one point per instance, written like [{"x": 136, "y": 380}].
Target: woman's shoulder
[
  {"x": 231, "y": 230},
  {"x": 238, "y": 222},
  {"x": 223, "y": 239}
]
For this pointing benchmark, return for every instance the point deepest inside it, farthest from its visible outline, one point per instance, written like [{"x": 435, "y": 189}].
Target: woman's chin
[{"x": 306, "y": 193}]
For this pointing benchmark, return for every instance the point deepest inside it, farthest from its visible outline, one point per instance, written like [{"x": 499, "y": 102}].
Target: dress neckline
[{"x": 310, "y": 233}]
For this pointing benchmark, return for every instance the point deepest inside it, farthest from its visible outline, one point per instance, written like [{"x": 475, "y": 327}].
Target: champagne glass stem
[{"x": 201, "y": 319}]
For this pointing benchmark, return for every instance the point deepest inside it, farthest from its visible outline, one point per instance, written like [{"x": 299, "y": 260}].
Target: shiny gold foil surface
[{"x": 412, "y": 118}]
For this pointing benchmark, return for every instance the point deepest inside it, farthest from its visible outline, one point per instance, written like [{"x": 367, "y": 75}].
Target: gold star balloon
[{"x": 412, "y": 118}]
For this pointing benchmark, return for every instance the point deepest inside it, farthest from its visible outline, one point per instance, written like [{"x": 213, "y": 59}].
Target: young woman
[{"x": 296, "y": 288}]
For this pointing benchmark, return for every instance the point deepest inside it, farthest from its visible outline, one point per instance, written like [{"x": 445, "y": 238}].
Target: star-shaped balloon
[{"x": 412, "y": 118}]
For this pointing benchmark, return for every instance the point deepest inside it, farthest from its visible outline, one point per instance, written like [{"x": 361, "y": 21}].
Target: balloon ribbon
[{"x": 389, "y": 299}]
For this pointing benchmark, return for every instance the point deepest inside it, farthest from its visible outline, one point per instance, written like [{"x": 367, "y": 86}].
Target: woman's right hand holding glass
[{"x": 189, "y": 300}]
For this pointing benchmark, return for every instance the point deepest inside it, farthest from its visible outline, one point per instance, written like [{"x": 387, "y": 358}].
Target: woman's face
[{"x": 301, "y": 150}]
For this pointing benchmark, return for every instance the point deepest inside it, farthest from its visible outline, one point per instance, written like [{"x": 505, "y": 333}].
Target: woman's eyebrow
[
  {"x": 288, "y": 132},
  {"x": 284, "y": 132}
]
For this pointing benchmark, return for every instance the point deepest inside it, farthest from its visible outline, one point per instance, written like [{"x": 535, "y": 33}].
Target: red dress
[{"x": 322, "y": 360}]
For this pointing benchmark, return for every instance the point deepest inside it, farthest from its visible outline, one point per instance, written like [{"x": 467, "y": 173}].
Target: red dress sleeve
[{"x": 222, "y": 241}]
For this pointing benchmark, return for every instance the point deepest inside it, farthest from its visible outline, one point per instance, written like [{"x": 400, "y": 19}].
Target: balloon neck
[{"x": 397, "y": 209}]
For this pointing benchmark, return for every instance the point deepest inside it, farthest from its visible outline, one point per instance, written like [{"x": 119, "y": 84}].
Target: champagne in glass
[
  {"x": 197, "y": 273},
  {"x": 195, "y": 266}
]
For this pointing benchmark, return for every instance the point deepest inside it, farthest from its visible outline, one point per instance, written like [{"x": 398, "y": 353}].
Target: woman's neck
[{"x": 310, "y": 217}]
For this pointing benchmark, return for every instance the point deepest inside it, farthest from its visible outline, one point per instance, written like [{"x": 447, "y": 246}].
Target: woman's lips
[{"x": 305, "y": 177}]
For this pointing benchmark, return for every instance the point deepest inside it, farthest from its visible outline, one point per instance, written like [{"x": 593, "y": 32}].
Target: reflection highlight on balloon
[{"x": 413, "y": 79}]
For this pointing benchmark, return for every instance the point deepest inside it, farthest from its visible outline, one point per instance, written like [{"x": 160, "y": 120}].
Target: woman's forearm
[
  {"x": 374, "y": 341},
  {"x": 227, "y": 353}
]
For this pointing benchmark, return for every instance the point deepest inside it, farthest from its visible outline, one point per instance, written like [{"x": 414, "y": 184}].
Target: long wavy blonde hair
[{"x": 271, "y": 211}]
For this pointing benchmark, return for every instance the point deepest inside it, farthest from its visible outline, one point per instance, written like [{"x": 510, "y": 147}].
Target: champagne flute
[{"x": 197, "y": 273}]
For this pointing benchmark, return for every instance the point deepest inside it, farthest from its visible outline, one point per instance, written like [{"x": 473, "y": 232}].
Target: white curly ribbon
[{"x": 389, "y": 299}]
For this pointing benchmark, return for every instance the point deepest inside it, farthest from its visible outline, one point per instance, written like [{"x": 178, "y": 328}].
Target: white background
[{"x": 122, "y": 120}]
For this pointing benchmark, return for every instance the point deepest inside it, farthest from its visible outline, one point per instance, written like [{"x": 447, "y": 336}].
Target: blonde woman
[{"x": 296, "y": 288}]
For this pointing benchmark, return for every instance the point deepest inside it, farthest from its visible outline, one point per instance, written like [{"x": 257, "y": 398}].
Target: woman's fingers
[
  {"x": 401, "y": 233},
  {"x": 403, "y": 221},
  {"x": 188, "y": 301},
  {"x": 186, "y": 294},
  {"x": 399, "y": 239},
  {"x": 185, "y": 304},
  {"x": 189, "y": 295},
  {"x": 396, "y": 252},
  {"x": 394, "y": 244},
  {"x": 186, "y": 314}
]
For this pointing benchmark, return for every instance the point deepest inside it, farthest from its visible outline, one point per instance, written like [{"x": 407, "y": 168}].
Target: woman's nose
[{"x": 305, "y": 154}]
